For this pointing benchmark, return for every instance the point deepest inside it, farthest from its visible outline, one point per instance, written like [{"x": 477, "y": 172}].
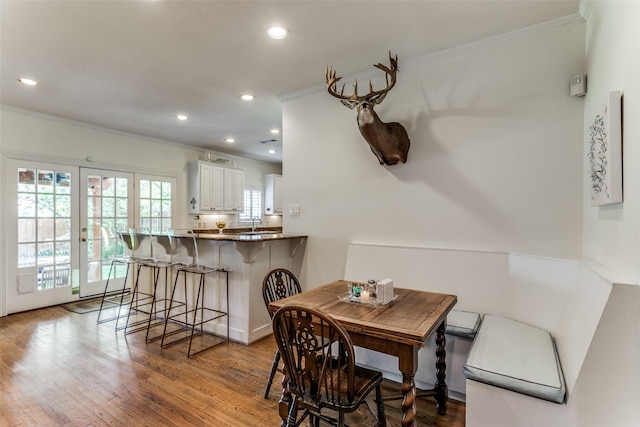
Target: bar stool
[
  {"x": 187, "y": 317},
  {"x": 145, "y": 303},
  {"x": 122, "y": 255},
  {"x": 163, "y": 248}
]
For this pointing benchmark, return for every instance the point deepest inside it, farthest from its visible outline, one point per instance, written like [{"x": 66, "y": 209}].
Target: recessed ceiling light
[
  {"x": 247, "y": 97},
  {"x": 230, "y": 140},
  {"x": 277, "y": 33},
  {"x": 27, "y": 82},
  {"x": 275, "y": 131},
  {"x": 272, "y": 151},
  {"x": 181, "y": 117}
]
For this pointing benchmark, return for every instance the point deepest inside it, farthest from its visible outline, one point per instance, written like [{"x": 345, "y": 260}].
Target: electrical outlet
[{"x": 294, "y": 210}]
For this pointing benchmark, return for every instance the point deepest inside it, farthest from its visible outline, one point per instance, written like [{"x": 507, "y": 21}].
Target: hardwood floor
[{"x": 60, "y": 368}]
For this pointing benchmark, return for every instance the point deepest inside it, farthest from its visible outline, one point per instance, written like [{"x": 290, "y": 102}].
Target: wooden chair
[
  {"x": 320, "y": 367},
  {"x": 277, "y": 284}
]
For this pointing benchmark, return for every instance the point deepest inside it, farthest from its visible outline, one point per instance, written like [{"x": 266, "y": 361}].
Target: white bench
[
  {"x": 463, "y": 324},
  {"x": 518, "y": 357},
  {"x": 564, "y": 297}
]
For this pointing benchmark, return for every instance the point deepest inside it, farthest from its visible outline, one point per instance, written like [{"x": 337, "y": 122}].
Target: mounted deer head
[{"x": 388, "y": 141}]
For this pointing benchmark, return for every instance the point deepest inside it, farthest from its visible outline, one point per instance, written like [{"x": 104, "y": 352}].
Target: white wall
[
  {"x": 611, "y": 234},
  {"x": 495, "y": 160}
]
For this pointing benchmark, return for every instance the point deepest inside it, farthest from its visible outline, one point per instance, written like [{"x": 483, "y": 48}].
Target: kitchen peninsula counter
[
  {"x": 244, "y": 237},
  {"x": 249, "y": 257}
]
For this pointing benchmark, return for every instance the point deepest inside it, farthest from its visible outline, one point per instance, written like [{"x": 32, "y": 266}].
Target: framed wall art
[{"x": 605, "y": 152}]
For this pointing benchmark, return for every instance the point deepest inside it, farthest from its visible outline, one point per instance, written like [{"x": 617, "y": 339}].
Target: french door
[
  {"x": 41, "y": 234},
  {"x": 106, "y": 206}
]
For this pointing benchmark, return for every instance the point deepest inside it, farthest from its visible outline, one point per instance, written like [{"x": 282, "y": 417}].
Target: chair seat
[{"x": 365, "y": 381}]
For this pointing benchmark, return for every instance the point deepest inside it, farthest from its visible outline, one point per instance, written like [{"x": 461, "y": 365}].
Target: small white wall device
[{"x": 578, "y": 85}]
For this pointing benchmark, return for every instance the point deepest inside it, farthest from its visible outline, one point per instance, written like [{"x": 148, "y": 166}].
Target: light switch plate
[{"x": 294, "y": 210}]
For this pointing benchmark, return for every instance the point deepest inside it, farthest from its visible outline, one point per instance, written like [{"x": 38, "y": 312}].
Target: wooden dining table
[{"x": 399, "y": 328}]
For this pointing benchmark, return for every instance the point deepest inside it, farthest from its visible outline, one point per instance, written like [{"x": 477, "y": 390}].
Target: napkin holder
[{"x": 384, "y": 291}]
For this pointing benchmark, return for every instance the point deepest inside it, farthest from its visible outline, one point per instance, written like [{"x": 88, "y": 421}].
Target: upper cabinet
[
  {"x": 214, "y": 189},
  {"x": 233, "y": 190},
  {"x": 273, "y": 194}
]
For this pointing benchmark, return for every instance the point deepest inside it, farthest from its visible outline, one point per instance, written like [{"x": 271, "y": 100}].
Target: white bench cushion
[
  {"x": 518, "y": 357},
  {"x": 462, "y": 323}
]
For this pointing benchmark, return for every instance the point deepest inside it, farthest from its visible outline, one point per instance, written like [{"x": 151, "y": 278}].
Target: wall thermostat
[{"x": 578, "y": 85}]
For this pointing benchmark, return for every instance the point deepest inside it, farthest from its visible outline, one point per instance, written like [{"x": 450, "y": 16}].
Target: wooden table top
[{"x": 409, "y": 319}]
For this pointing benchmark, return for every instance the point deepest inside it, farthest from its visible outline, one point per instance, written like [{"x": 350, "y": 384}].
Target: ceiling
[{"x": 133, "y": 65}]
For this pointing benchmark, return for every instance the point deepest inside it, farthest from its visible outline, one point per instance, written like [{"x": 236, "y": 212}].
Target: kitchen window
[{"x": 252, "y": 205}]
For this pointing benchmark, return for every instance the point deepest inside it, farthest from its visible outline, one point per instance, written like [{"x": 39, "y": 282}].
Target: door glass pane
[
  {"x": 45, "y": 253},
  {"x": 26, "y": 255},
  {"x": 63, "y": 206},
  {"x": 45, "y": 205},
  {"x": 45, "y": 182},
  {"x": 108, "y": 207},
  {"x": 27, "y": 204},
  {"x": 45, "y": 229},
  {"x": 63, "y": 252},
  {"x": 63, "y": 229},
  {"x": 63, "y": 183},
  {"x": 122, "y": 187},
  {"x": 26, "y": 230},
  {"x": 121, "y": 207},
  {"x": 26, "y": 180},
  {"x": 108, "y": 187}
]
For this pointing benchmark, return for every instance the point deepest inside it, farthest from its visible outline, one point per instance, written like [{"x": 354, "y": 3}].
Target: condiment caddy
[{"x": 374, "y": 292}]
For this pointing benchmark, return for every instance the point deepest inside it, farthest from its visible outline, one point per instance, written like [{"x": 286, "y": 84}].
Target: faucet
[{"x": 253, "y": 223}]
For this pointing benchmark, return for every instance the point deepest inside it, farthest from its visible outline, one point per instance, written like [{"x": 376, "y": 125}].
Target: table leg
[
  {"x": 441, "y": 389},
  {"x": 408, "y": 361}
]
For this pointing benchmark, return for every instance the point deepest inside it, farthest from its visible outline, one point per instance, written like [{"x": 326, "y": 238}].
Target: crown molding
[
  {"x": 456, "y": 51},
  {"x": 585, "y": 7}
]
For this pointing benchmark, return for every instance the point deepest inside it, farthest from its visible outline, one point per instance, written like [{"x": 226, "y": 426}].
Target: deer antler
[
  {"x": 380, "y": 94},
  {"x": 332, "y": 81}
]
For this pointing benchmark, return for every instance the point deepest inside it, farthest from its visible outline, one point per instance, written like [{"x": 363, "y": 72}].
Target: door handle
[{"x": 84, "y": 239}]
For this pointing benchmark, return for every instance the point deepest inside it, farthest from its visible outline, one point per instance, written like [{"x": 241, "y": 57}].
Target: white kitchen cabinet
[
  {"x": 214, "y": 189},
  {"x": 233, "y": 190},
  {"x": 272, "y": 194},
  {"x": 205, "y": 187}
]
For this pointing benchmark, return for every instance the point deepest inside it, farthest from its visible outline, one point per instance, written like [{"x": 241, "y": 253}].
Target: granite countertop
[{"x": 242, "y": 235}]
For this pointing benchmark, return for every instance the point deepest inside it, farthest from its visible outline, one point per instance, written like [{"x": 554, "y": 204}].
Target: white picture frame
[{"x": 605, "y": 152}]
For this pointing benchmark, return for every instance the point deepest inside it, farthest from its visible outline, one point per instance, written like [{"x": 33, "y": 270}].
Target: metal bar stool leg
[
  {"x": 104, "y": 296},
  {"x": 123, "y": 294}
]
